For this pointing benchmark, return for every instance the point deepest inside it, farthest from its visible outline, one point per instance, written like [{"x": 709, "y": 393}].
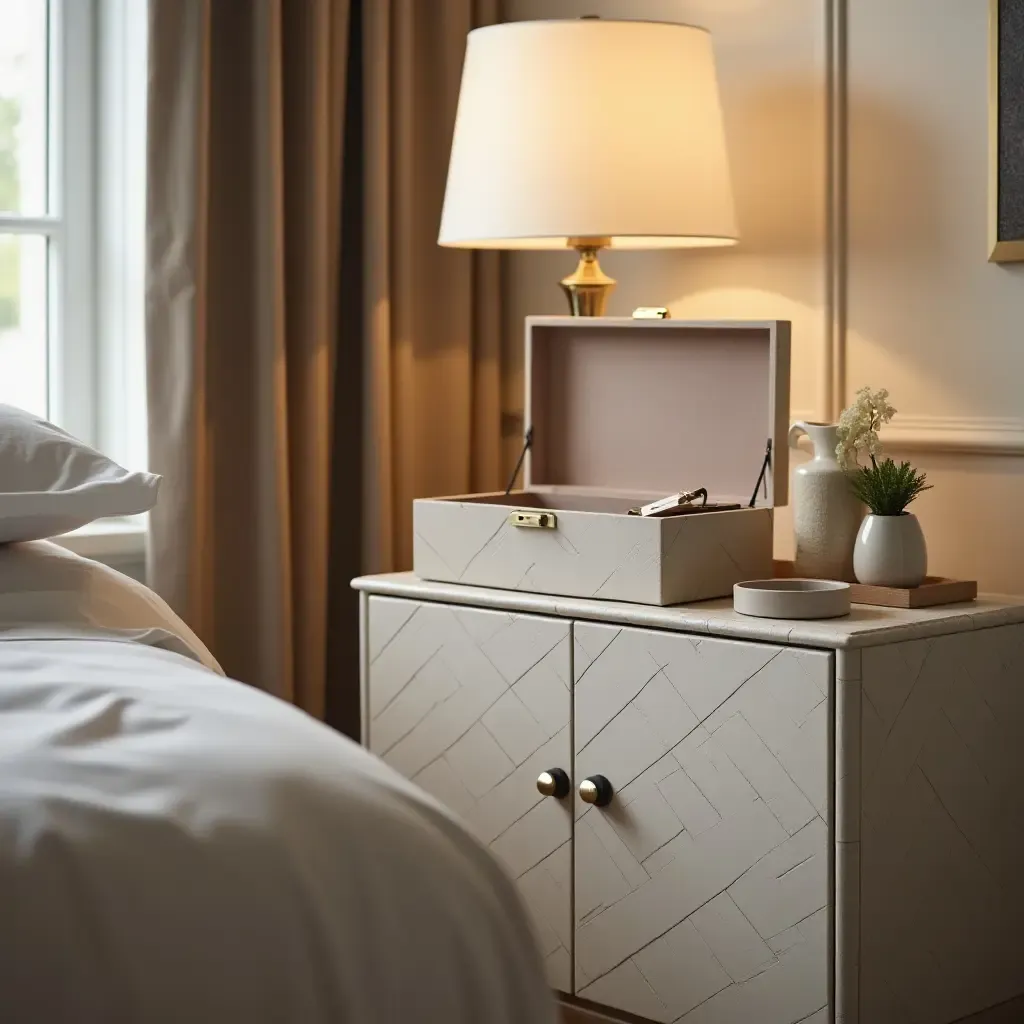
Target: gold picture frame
[{"x": 1001, "y": 250}]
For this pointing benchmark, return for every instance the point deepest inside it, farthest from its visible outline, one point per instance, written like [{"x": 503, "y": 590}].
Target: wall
[
  {"x": 924, "y": 314},
  {"x": 928, "y": 316}
]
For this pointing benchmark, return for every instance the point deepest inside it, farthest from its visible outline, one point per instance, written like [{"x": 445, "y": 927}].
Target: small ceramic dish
[{"x": 792, "y": 599}]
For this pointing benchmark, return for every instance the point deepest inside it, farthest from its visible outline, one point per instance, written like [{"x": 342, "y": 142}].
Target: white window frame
[
  {"x": 94, "y": 228},
  {"x": 122, "y": 36},
  {"x": 68, "y": 224}
]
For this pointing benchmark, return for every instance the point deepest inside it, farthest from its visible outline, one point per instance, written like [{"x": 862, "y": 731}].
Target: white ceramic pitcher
[{"x": 826, "y": 513}]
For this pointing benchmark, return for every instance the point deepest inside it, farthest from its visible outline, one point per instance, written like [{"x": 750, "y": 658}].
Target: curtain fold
[
  {"x": 246, "y": 114},
  {"x": 315, "y": 361},
  {"x": 434, "y": 325}
]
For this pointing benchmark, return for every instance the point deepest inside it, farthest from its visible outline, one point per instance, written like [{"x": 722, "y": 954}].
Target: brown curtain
[
  {"x": 246, "y": 109},
  {"x": 435, "y": 346},
  {"x": 314, "y": 360}
]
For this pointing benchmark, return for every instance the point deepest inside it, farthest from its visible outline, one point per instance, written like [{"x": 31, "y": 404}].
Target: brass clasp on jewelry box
[{"x": 528, "y": 517}]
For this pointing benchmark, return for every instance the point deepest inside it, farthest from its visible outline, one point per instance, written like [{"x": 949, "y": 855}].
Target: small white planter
[{"x": 890, "y": 551}]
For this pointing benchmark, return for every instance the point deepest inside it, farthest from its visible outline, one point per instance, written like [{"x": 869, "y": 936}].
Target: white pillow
[
  {"x": 51, "y": 483},
  {"x": 49, "y": 590}
]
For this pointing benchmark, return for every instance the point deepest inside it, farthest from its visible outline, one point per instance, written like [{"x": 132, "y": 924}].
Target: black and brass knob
[
  {"x": 554, "y": 782},
  {"x": 596, "y": 790}
]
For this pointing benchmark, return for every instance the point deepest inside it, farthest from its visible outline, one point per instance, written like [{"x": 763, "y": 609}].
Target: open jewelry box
[{"x": 620, "y": 412}]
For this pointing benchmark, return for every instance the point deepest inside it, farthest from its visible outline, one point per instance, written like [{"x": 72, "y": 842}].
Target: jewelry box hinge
[
  {"x": 762, "y": 477},
  {"x": 527, "y": 443}
]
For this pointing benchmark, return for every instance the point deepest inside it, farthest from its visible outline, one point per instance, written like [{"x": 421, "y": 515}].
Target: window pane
[
  {"x": 23, "y": 322},
  {"x": 23, "y": 106}
]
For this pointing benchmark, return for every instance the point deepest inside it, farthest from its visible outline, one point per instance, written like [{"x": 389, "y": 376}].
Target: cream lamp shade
[{"x": 586, "y": 134}]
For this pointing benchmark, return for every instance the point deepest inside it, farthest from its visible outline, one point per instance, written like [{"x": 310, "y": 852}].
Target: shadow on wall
[
  {"x": 918, "y": 277},
  {"x": 895, "y": 182},
  {"x": 895, "y": 223},
  {"x": 967, "y": 521}
]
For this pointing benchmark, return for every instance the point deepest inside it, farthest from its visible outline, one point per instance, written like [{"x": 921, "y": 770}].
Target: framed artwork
[{"x": 1006, "y": 130}]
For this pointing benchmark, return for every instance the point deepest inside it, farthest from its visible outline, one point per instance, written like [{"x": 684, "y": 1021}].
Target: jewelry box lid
[{"x": 658, "y": 406}]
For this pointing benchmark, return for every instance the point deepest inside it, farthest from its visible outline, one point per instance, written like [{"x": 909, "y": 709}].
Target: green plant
[{"x": 887, "y": 489}]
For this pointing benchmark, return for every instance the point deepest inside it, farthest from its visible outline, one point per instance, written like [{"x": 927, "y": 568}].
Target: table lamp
[{"x": 588, "y": 134}]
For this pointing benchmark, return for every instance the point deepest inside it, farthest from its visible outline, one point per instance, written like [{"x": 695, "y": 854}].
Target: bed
[{"x": 176, "y": 846}]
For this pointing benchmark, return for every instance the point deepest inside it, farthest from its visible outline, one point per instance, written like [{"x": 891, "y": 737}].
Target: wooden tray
[{"x": 935, "y": 590}]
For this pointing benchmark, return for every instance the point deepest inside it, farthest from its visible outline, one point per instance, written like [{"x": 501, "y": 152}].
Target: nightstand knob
[
  {"x": 596, "y": 790},
  {"x": 553, "y": 782}
]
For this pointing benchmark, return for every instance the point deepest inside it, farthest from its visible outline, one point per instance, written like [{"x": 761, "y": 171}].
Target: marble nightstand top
[{"x": 865, "y": 626}]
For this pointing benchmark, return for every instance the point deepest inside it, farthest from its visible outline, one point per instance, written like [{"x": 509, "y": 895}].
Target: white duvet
[{"x": 175, "y": 846}]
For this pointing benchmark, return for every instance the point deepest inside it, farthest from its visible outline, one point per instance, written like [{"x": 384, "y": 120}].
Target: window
[
  {"x": 72, "y": 212},
  {"x": 26, "y": 203}
]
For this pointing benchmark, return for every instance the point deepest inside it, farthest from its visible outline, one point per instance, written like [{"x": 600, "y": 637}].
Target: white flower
[{"x": 859, "y": 424}]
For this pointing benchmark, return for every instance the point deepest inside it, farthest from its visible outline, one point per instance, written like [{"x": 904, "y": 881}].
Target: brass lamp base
[{"x": 587, "y": 288}]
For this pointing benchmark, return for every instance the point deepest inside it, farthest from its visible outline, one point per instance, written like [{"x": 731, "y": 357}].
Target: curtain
[
  {"x": 315, "y": 361},
  {"x": 244, "y": 239},
  {"x": 435, "y": 350}
]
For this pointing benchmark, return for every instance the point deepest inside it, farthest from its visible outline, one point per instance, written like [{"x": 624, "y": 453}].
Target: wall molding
[
  {"x": 833, "y": 383},
  {"x": 965, "y": 435},
  {"x": 953, "y": 435}
]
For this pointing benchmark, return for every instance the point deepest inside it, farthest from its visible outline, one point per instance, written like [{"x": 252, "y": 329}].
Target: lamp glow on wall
[{"x": 588, "y": 134}]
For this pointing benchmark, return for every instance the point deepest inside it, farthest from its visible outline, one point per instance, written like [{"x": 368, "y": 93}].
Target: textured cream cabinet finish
[
  {"x": 812, "y": 821},
  {"x": 702, "y": 889},
  {"x": 473, "y": 705}
]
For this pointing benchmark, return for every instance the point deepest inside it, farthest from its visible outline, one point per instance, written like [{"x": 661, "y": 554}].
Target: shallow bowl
[{"x": 792, "y": 599}]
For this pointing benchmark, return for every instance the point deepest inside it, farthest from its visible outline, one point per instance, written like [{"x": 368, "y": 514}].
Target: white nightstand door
[
  {"x": 473, "y": 706},
  {"x": 702, "y": 888}
]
